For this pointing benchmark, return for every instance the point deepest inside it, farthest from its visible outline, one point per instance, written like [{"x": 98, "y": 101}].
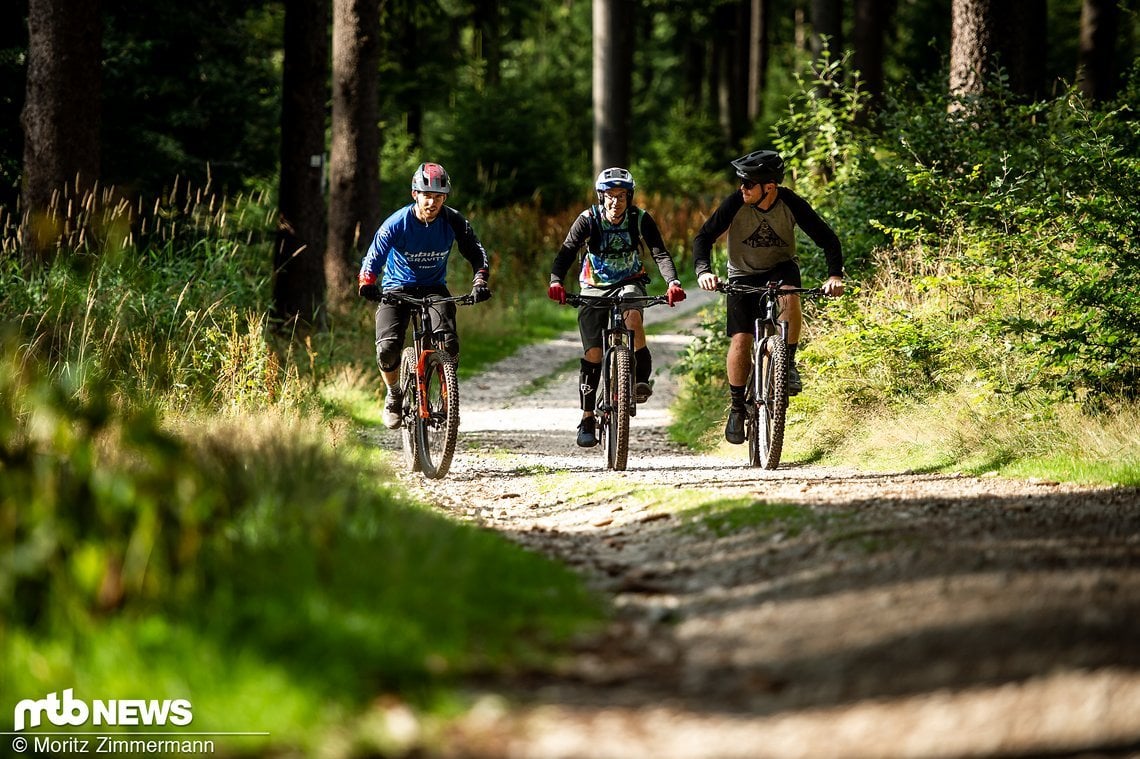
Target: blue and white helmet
[
  {"x": 615, "y": 177},
  {"x": 431, "y": 177}
]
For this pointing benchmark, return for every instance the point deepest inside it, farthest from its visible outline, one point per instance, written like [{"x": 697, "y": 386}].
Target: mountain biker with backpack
[
  {"x": 612, "y": 233},
  {"x": 760, "y": 220},
  {"x": 412, "y": 248}
]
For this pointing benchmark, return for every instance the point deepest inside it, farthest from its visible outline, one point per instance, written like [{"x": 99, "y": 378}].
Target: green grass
[
  {"x": 732, "y": 515},
  {"x": 287, "y": 584}
]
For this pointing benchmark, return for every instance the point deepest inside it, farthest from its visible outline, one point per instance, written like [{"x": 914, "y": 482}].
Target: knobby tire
[
  {"x": 767, "y": 440},
  {"x": 409, "y": 412},
  {"x": 619, "y": 382},
  {"x": 437, "y": 434}
]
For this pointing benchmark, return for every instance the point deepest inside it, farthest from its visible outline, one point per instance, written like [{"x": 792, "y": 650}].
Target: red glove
[
  {"x": 675, "y": 294},
  {"x": 557, "y": 293}
]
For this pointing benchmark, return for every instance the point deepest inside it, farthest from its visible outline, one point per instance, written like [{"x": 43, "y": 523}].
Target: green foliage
[
  {"x": 679, "y": 156},
  {"x": 166, "y": 302},
  {"x": 499, "y": 171},
  {"x": 1021, "y": 216},
  {"x": 248, "y": 538},
  {"x": 996, "y": 241},
  {"x": 192, "y": 91}
]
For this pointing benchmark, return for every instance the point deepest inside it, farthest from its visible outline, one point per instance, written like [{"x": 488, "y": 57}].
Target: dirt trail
[{"x": 899, "y": 614}]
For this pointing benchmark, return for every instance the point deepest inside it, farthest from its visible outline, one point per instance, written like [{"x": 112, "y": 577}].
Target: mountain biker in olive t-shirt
[{"x": 760, "y": 221}]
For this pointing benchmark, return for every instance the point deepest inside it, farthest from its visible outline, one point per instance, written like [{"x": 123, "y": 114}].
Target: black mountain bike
[
  {"x": 766, "y": 396},
  {"x": 616, "y": 402},
  {"x": 428, "y": 379}
]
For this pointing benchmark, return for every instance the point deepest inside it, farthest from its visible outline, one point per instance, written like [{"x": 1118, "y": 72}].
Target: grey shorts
[{"x": 593, "y": 319}]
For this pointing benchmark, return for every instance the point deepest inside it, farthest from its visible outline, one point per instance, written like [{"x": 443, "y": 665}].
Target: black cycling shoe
[
  {"x": 795, "y": 384},
  {"x": 586, "y": 436},
  {"x": 393, "y": 409},
  {"x": 734, "y": 428},
  {"x": 642, "y": 391}
]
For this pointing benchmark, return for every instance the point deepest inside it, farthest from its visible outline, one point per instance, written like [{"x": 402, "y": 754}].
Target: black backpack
[{"x": 635, "y": 214}]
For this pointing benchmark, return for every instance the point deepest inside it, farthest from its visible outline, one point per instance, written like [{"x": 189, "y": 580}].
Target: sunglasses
[{"x": 748, "y": 184}]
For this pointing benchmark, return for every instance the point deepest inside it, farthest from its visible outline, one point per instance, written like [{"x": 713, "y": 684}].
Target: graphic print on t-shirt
[{"x": 765, "y": 237}]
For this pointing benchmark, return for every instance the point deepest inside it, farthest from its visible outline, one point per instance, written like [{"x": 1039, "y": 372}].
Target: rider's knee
[{"x": 388, "y": 355}]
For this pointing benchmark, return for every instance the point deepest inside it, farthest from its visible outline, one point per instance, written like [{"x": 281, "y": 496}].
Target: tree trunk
[
  {"x": 971, "y": 46},
  {"x": 871, "y": 20},
  {"x": 733, "y": 22},
  {"x": 354, "y": 160},
  {"x": 299, "y": 274},
  {"x": 758, "y": 56},
  {"x": 61, "y": 120},
  {"x": 827, "y": 21},
  {"x": 1020, "y": 42},
  {"x": 1096, "y": 69},
  {"x": 487, "y": 20},
  {"x": 612, "y": 82},
  {"x": 739, "y": 70},
  {"x": 987, "y": 34}
]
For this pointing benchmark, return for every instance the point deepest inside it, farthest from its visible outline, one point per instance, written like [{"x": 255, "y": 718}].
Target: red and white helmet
[{"x": 431, "y": 177}]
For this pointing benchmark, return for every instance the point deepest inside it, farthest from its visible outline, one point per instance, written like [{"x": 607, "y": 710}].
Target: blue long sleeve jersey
[{"x": 414, "y": 254}]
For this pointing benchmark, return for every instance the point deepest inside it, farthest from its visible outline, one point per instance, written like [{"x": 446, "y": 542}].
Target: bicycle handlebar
[
  {"x": 396, "y": 297},
  {"x": 772, "y": 288},
  {"x": 577, "y": 299}
]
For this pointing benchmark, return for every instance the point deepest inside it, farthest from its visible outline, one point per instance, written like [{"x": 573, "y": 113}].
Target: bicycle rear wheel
[
  {"x": 437, "y": 434},
  {"x": 771, "y": 404},
  {"x": 408, "y": 412},
  {"x": 619, "y": 388}
]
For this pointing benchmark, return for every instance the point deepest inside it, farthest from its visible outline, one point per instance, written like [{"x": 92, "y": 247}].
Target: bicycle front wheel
[
  {"x": 619, "y": 388},
  {"x": 437, "y": 434},
  {"x": 408, "y": 411},
  {"x": 767, "y": 439}
]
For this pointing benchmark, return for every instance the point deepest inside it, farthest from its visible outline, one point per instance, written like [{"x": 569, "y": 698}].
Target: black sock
[
  {"x": 644, "y": 361},
  {"x": 792, "y": 353},
  {"x": 737, "y": 393},
  {"x": 588, "y": 377}
]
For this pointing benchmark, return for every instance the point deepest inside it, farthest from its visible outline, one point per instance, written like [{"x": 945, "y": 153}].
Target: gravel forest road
[{"x": 875, "y": 615}]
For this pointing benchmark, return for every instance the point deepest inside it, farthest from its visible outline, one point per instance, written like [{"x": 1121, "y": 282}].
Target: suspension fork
[{"x": 421, "y": 323}]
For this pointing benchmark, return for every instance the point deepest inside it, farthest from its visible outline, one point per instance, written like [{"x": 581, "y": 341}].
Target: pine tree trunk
[
  {"x": 759, "y": 53},
  {"x": 1096, "y": 70},
  {"x": 612, "y": 82},
  {"x": 61, "y": 120},
  {"x": 299, "y": 274},
  {"x": 971, "y": 46},
  {"x": 354, "y": 157},
  {"x": 871, "y": 20}
]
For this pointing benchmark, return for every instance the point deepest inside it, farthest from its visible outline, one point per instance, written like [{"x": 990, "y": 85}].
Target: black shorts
[
  {"x": 593, "y": 319},
  {"x": 392, "y": 320},
  {"x": 744, "y": 310}
]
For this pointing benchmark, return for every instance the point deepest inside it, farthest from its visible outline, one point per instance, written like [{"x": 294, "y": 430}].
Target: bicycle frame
[
  {"x": 767, "y": 390},
  {"x": 425, "y": 362},
  {"x": 616, "y": 336},
  {"x": 422, "y": 329}
]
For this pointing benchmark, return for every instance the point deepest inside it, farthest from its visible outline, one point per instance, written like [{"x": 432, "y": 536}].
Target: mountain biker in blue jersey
[
  {"x": 612, "y": 233},
  {"x": 760, "y": 221},
  {"x": 412, "y": 248}
]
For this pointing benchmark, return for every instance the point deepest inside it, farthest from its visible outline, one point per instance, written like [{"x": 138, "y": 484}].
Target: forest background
[{"x": 185, "y": 364}]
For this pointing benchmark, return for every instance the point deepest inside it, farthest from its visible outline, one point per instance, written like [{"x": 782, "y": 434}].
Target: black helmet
[{"x": 760, "y": 166}]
